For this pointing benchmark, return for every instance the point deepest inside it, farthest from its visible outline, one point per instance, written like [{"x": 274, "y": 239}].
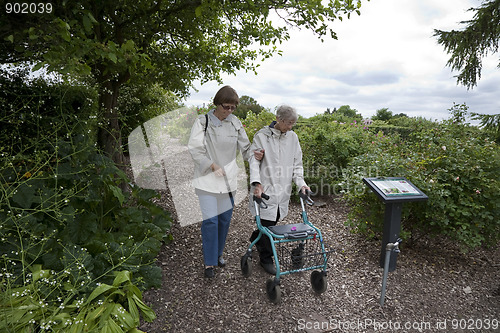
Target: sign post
[{"x": 393, "y": 191}]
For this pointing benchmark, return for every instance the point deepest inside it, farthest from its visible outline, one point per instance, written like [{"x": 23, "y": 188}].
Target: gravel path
[{"x": 434, "y": 288}]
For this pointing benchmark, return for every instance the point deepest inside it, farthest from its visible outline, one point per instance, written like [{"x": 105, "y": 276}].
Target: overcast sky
[{"x": 385, "y": 58}]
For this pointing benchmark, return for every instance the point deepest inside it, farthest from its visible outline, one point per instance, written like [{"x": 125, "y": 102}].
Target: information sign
[{"x": 393, "y": 191}]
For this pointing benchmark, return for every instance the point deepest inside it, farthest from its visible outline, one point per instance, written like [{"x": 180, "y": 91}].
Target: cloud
[
  {"x": 370, "y": 78},
  {"x": 385, "y": 58}
]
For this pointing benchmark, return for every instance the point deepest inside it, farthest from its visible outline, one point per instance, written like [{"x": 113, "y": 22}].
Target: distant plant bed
[
  {"x": 178, "y": 123},
  {"x": 254, "y": 122},
  {"x": 404, "y": 132}
]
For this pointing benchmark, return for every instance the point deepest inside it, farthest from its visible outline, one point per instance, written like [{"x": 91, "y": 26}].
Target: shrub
[
  {"x": 73, "y": 194},
  {"x": 49, "y": 301},
  {"x": 140, "y": 103},
  {"x": 31, "y": 108},
  {"x": 253, "y": 123},
  {"x": 78, "y": 225},
  {"x": 456, "y": 166},
  {"x": 328, "y": 146},
  {"x": 66, "y": 224}
]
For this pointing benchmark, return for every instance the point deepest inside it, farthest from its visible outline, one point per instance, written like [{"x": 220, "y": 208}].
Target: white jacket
[
  {"x": 281, "y": 164},
  {"x": 218, "y": 145}
]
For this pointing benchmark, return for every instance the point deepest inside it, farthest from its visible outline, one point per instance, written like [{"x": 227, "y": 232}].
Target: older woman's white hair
[{"x": 286, "y": 113}]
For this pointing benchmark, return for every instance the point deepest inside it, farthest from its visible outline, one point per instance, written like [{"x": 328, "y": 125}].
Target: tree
[
  {"x": 247, "y": 104},
  {"x": 168, "y": 42},
  {"x": 469, "y": 46},
  {"x": 328, "y": 111},
  {"x": 490, "y": 123},
  {"x": 383, "y": 114},
  {"x": 346, "y": 111}
]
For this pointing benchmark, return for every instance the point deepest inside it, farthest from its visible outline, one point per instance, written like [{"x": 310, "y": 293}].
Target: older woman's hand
[
  {"x": 258, "y": 190},
  {"x": 259, "y": 154},
  {"x": 305, "y": 188}
]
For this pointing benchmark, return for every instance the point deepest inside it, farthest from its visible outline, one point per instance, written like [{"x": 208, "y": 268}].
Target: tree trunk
[{"x": 109, "y": 134}]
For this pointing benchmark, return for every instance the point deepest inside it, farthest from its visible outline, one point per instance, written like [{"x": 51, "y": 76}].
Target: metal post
[
  {"x": 392, "y": 227},
  {"x": 391, "y": 247}
]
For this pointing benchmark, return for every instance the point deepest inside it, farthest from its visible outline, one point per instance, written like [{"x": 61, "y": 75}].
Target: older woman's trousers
[
  {"x": 264, "y": 244},
  {"x": 217, "y": 210}
]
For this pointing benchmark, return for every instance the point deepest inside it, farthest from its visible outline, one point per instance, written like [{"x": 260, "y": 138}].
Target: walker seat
[{"x": 293, "y": 231}]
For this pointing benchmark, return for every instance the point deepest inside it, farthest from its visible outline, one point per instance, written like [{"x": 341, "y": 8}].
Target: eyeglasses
[{"x": 228, "y": 107}]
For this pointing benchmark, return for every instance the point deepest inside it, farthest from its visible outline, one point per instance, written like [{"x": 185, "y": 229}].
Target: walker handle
[
  {"x": 261, "y": 203},
  {"x": 306, "y": 197}
]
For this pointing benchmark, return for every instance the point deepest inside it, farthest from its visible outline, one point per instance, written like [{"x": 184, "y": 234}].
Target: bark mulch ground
[{"x": 435, "y": 287}]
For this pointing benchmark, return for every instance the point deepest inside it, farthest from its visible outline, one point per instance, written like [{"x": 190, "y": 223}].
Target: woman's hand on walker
[
  {"x": 258, "y": 190},
  {"x": 304, "y": 189}
]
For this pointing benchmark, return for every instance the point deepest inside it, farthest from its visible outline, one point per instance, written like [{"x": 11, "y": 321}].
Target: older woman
[
  {"x": 213, "y": 144},
  {"x": 274, "y": 174}
]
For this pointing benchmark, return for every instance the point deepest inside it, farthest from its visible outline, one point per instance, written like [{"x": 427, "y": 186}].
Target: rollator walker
[{"x": 296, "y": 248}]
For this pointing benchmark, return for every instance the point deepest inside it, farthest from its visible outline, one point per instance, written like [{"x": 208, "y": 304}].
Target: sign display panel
[{"x": 393, "y": 189}]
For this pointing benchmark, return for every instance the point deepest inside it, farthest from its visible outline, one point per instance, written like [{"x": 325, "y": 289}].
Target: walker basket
[{"x": 301, "y": 255}]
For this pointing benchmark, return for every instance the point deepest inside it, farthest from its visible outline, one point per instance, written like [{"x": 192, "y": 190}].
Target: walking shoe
[
  {"x": 221, "y": 262},
  {"x": 209, "y": 272},
  {"x": 269, "y": 268}
]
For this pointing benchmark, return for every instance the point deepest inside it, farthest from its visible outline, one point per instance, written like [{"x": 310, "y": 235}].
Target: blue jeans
[{"x": 217, "y": 210}]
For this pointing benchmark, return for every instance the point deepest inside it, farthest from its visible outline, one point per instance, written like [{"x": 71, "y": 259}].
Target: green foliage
[
  {"x": 328, "y": 146},
  {"x": 343, "y": 114},
  {"x": 33, "y": 107},
  {"x": 386, "y": 115},
  {"x": 415, "y": 123},
  {"x": 253, "y": 123},
  {"x": 168, "y": 42},
  {"x": 490, "y": 123},
  {"x": 459, "y": 113},
  {"x": 455, "y": 165},
  {"x": 467, "y": 47},
  {"x": 140, "y": 103},
  {"x": 347, "y": 112},
  {"x": 247, "y": 104},
  {"x": 48, "y": 301},
  {"x": 389, "y": 129},
  {"x": 66, "y": 224},
  {"x": 76, "y": 220},
  {"x": 383, "y": 114},
  {"x": 401, "y": 125},
  {"x": 73, "y": 195}
]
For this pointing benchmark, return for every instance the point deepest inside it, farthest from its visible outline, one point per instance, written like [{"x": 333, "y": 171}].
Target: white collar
[{"x": 215, "y": 121}]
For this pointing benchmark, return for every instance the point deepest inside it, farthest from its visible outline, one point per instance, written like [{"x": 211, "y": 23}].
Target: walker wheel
[
  {"x": 246, "y": 265},
  {"x": 273, "y": 291},
  {"x": 318, "y": 282}
]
